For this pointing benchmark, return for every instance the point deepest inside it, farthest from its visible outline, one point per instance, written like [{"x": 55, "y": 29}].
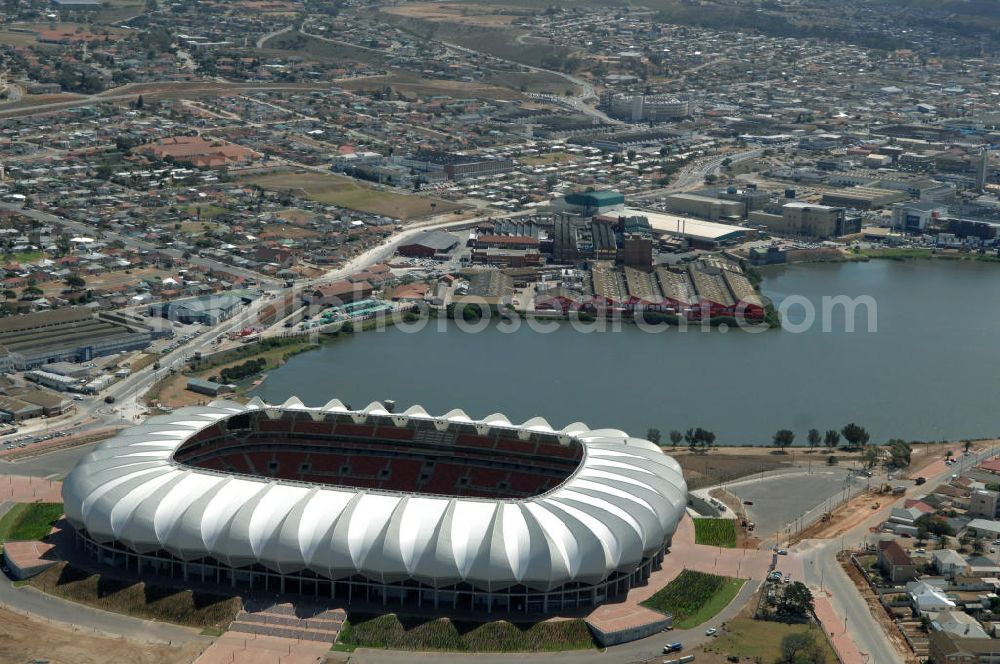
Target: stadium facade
[{"x": 401, "y": 509}]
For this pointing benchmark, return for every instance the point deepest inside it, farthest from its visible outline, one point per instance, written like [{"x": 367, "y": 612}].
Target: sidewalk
[{"x": 833, "y": 625}]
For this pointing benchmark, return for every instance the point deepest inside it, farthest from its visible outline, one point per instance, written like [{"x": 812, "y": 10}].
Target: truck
[{"x": 672, "y": 647}]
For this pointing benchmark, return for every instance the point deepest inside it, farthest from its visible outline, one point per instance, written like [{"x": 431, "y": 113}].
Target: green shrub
[
  {"x": 715, "y": 532},
  {"x": 29, "y": 521},
  {"x": 402, "y": 633},
  {"x": 694, "y": 597}
]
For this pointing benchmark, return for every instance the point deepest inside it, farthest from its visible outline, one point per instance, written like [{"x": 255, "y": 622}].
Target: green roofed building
[{"x": 590, "y": 203}]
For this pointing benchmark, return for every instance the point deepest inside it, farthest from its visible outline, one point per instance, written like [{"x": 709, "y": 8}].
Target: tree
[
  {"x": 75, "y": 281},
  {"x": 814, "y": 437},
  {"x": 676, "y": 437},
  {"x": 968, "y": 445},
  {"x": 9, "y": 295},
  {"x": 797, "y": 601},
  {"x": 699, "y": 438},
  {"x": 855, "y": 435},
  {"x": 870, "y": 457},
  {"x": 899, "y": 454},
  {"x": 935, "y": 525},
  {"x": 832, "y": 438},
  {"x": 783, "y": 438},
  {"x": 799, "y": 648},
  {"x": 31, "y": 292},
  {"x": 653, "y": 436},
  {"x": 705, "y": 438}
]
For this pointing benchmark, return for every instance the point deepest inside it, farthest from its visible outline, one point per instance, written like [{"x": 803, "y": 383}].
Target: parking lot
[{"x": 778, "y": 500}]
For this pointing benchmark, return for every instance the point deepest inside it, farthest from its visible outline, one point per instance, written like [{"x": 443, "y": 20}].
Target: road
[
  {"x": 693, "y": 175},
  {"x": 823, "y": 570},
  {"x": 26, "y": 599},
  {"x": 263, "y": 38}
]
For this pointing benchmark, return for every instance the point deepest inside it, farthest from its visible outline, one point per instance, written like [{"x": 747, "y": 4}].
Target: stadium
[{"x": 382, "y": 508}]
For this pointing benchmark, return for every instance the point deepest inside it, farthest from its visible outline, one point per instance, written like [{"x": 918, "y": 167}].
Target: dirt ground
[
  {"x": 411, "y": 83},
  {"x": 174, "y": 393},
  {"x": 844, "y": 518},
  {"x": 725, "y": 464},
  {"x": 23, "y": 639},
  {"x": 348, "y": 193},
  {"x": 487, "y": 16},
  {"x": 108, "y": 280}
]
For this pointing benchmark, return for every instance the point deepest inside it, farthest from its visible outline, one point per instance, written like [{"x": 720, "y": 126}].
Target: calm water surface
[{"x": 931, "y": 371}]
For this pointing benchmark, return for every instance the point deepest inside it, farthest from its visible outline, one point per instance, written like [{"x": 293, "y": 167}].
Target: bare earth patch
[{"x": 25, "y": 639}]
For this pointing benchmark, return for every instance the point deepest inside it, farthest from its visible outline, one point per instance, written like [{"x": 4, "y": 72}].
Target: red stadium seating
[
  {"x": 393, "y": 433},
  {"x": 357, "y": 430}
]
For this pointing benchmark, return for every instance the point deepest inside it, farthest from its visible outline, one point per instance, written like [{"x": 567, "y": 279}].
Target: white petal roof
[{"x": 620, "y": 505}]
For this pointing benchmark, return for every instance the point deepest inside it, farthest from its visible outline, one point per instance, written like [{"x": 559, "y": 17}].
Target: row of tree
[{"x": 854, "y": 435}]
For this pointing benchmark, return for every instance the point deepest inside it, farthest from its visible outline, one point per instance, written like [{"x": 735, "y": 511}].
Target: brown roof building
[{"x": 199, "y": 152}]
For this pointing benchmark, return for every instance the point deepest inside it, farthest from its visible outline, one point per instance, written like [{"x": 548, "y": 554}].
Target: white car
[{"x": 711, "y": 631}]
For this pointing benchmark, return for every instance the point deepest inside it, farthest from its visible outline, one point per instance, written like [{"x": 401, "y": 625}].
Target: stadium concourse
[{"x": 444, "y": 513}]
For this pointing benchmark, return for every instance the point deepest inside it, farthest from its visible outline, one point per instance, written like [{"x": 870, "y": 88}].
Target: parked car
[{"x": 711, "y": 631}]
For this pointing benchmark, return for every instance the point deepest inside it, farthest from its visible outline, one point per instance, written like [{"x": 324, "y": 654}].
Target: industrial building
[
  {"x": 454, "y": 166},
  {"x": 578, "y": 238},
  {"x": 645, "y": 108},
  {"x": 491, "y": 287},
  {"x": 705, "y": 207},
  {"x": 207, "y": 309},
  {"x": 915, "y": 217},
  {"x": 74, "y": 334},
  {"x": 809, "y": 220},
  {"x": 863, "y": 198},
  {"x": 337, "y": 293},
  {"x": 590, "y": 203},
  {"x": 699, "y": 233},
  {"x": 637, "y": 251},
  {"x": 706, "y": 288},
  {"x": 428, "y": 245}
]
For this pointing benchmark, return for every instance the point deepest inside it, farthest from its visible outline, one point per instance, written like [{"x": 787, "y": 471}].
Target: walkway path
[
  {"x": 28, "y": 600},
  {"x": 252, "y": 649}
]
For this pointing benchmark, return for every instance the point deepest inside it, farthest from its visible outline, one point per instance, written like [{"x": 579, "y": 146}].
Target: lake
[{"x": 930, "y": 371}]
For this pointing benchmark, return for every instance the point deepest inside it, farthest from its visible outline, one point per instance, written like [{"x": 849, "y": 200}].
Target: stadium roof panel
[{"x": 619, "y": 506}]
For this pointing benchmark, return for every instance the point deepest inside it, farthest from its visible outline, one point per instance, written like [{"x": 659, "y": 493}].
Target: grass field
[
  {"x": 694, "y": 597},
  {"x": 761, "y": 641},
  {"x": 29, "y": 521},
  {"x": 24, "y": 257},
  {"x": 182, "y": 607},
  {"x": 347, "y": 193},
  {"x": 392, "y": 632},
  {"x": 715, "y": 532}
]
